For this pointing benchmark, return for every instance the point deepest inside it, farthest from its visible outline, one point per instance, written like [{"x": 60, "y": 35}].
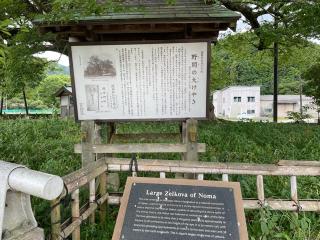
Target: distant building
[
  {"x": 66, "y": 101},
  {"x": 239, "y": 102},
  {"x": 287, "y": 103}
]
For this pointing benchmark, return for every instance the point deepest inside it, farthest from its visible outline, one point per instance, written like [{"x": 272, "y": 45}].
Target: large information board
[
  {"x": 161, "y": 209},
  {"x": 153, "y": 81}
]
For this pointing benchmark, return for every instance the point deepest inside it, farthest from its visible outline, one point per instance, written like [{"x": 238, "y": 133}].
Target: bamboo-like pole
[
  {"x": 75, "y": 210},
  {"x": 55, "y": 219},
  {"x": 103, "y": 191},
  {"x": 70, "y": 228},
  {"x": 92, "y": 198}
]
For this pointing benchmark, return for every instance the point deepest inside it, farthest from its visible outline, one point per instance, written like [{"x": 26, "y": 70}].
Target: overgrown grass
[{"x": 47, "y": 145}]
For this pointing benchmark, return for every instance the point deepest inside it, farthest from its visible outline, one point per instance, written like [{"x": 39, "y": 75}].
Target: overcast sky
[{"x": 241, "y": 27}]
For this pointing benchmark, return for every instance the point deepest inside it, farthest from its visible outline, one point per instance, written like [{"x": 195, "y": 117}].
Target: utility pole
[
  {"x": 300, "y": 90},
  {"x": 275, "y": 81}
]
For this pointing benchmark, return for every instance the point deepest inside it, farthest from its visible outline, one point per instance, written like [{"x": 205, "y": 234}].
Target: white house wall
[{"x": 225, "y": 106}]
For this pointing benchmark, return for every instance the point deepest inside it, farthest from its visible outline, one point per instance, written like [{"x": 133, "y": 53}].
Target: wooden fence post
[
  {"x": 75, "y": 211},
  {"x": 92, "y": 198},
  {"x": 103, "y": 191},
  {"x": 260, "y": 190},
  {"x": 103, "y": 178},
  {"x": 55, "y": 219}
]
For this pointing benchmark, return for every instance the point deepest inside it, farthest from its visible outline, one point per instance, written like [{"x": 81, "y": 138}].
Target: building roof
[
  {"x": 286, "y": 99},
  {"x": 137, "y": 12},
  {"x": 65, "y": 90},
  {"x": 239, "y": 86}
]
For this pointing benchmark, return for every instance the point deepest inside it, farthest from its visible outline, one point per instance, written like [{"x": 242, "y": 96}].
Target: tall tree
[
  {"x": 3, "y": 51},
  {"x": 22, "y": 71},
  {"x": 312, "y": 75}
]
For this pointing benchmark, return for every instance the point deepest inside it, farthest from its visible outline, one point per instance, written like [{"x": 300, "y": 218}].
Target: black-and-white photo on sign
[{"x": 151, "y": 81}]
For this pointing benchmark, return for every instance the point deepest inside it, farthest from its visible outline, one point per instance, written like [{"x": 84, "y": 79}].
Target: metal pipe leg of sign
[{"x": 17, "y": 183}]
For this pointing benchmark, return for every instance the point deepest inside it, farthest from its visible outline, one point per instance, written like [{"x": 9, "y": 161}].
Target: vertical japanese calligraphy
[{"x": 141, "y": 81}]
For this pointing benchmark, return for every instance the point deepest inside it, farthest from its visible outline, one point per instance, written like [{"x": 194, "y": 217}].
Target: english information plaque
[
  {"x": 134, "y": 81},
  {"x": 180, "y": 209}
]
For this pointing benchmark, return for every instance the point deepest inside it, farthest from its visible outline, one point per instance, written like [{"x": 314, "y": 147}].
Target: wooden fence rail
[{"x": 99, "y": 169}]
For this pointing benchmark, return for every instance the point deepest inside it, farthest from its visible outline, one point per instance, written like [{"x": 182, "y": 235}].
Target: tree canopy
[
  {"x": 312, "y": 76},
  {"x": 293, "y": 22},
  {"x": 237, "y": 62}
]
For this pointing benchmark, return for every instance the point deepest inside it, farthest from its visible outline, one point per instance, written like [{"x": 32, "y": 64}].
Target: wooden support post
[
  {"x": 260, "y": 189},
  {"x": 190, "y": 135},
  {"x": 112, "y": 178},
  {"x": 75, "y": 210},
  {"x": 182, "y": 134},
  {"x": 88, "y": 137},
  {"x": 103, "y": 191},
  {"x": 225, "y": 177},
  {"x": 55, "y": 219}
]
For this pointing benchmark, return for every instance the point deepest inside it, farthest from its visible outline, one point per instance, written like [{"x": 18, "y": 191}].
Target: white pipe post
[{"x": 42, "y": 185}]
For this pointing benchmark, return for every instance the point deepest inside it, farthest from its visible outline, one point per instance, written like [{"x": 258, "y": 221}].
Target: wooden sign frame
[
  {"x": 184, "y": 182},
  {"x": 208, "y": 66}
]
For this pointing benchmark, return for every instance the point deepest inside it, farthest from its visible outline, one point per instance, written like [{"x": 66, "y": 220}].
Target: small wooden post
[
  {"x": 55, "y": 219},
  {"x": 260, "y": 189},
  {"x": 75, "y": 210},
  {"x": 190, "y": 135},
  {"x": 225, "y": 177},
  {"x": 294, "y": 193},
  {"x": 200, "y": 176},
  {"x": 162, "y": 175},
  {"x": 294, "y": 188},
  {"x": 92, "y": 198}
]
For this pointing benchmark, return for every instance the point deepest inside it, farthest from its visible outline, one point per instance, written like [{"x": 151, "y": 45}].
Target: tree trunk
[
  {"x": 25, "y": 102},
  {"x": 1, "y": 104}
]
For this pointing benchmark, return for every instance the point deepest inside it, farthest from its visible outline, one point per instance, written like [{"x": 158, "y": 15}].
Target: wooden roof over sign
[{"x": 149, "y": 19}]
